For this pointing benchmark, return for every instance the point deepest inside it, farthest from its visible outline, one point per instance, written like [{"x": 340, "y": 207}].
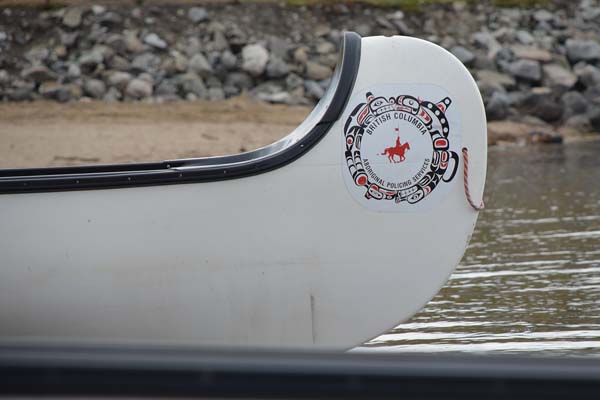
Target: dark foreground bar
[{"x": 183, "y": 372}]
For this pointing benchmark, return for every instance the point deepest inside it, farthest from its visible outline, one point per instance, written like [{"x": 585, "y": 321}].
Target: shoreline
[{"x": 44, "y": 134}]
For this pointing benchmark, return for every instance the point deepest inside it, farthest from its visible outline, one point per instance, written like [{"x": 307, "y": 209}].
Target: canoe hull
[{"x": 286, "y": 258}]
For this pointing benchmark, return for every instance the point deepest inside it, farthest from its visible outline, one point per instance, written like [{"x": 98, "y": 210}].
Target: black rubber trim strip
[
  {"x": 201, "y": 373},
  {"x": 163, "y": 173}
]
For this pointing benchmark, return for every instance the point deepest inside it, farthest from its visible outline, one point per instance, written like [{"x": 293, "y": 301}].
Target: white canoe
[{"x": 327, "y": 238}]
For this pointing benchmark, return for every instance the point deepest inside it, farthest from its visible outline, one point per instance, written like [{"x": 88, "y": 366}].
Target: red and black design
[{"x": 433, "y": 117}]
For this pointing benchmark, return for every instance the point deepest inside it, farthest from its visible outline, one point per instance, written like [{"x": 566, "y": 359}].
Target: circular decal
[{"x": 400, "y": 146}]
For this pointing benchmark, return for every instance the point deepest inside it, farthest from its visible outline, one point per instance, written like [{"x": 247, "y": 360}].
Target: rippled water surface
[{"x": 530, "y": 280}]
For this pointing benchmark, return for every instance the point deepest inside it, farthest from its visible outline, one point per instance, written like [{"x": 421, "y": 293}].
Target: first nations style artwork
[{"x": 401, "y": 146}]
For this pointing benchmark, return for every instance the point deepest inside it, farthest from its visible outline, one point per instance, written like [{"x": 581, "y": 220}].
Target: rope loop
[{"x": 481, "y": 206}]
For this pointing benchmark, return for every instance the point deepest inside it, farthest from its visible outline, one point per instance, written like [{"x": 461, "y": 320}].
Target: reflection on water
[{"x": 530, "y": 280}]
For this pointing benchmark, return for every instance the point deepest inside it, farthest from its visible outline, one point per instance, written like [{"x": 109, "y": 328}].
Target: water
[{"x": 530, "y": 279}]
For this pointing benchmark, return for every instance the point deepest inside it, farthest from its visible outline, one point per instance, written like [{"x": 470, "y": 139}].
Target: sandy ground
[{"x": 50, "y": 134}]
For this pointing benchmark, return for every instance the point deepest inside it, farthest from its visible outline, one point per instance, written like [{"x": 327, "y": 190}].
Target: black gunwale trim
[
  {"x": 193, "y": 170},
  {"x": 118, "y": 371}
]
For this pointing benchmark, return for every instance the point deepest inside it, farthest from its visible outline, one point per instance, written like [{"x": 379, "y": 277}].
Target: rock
[
  {"x": 465, "y": 56},
  {"x": 364, "y": 29},
  {"x": 592, "y": 94},
  {"x": 59, "y": 52},
  {"x": 594, "y": 118},
  {"x": 192, "y": 83},
  {"x": 112, "y": 95},
  {"x": 279, "y": 47},
  {"x": 228, "y": 60},
  {"x": 91, "y": 59},
  {"x": 325, "y": 47},
  {"x": 167, "y": 88},
  {"x": 237, "y": 37},
  {"x": 580, "y": 123},
  {"x": 200, "y": 65},
  {"x": 316, "y": 71},
  {"x": 528, "y": 70},
  {"x": 293, "y": 81},
  {"x": 543, "y": 16},
  {"x": 219, "y": 42},
  {"x": 20, "y": 94},
  {"x": 573, "y": 103},
  {"x": 588, "y": 74},
  {"x": 118, "y": 63},
  {"x": 4, "y": 77},
  {"x": 132, "y": 43},
  {"x": 213, "y": 57},
  {"x": 497, "y": 106},
  {"x": 517, "y": 132},
  {"x": 109, "y": 19},
  {"x": 313, "y": 89},
  {"x": 98, "y": 9},
  {"x": 38, "y": 74},
  {"x": 254, "y": 59},
  {"x": 68, "y": 39},
  {"x": 117, "y": 43},
  {"x": 487, "y": 41},
  {"x": 215, "y": 26},
  {"x": 544, "y": 136},
  {"x": 278, "y": 97},
  {"x": 175, "y": 64},
  {"x": 558, "y": 77},
  {"x": 104, "y": 51},
  {"x": 94, "y": 88},
  {"x": 212, "y": 82},
  {"x": 240, "y": 80},
  {"x": 197, "y": 14},
  {"x": 72, "y": 17},
  {"x": 401, "y": 27},
  {"x": 119, "y": 80},
  {"x": 55, "y": 91},
  {"x": 384, "y": 23},
  {"x": 277, "y": 68},
  {"x": 146, "y": 77},
  {"x": 496, "y": 78},
  {"x": 582, "y": 50},
  {"x": 138, "y": 89},
  {"x": 524, "y": 37},
  {"x": 325, "y": 83},
  {"x": 230, "y": 91},
  {"x": 146, "y": 62},
  {"x": 37, "y": 55},
  {"x": 510, "y": 131},
  {"x": 152, "y": 39},
  {"x": 531, "y": 53},
  {"x": 539, "y": 103},
  {"x": 484, "y": 63},
  {"x": 216, "y": 93},
  {"x": 137, "y": 13},
  {"x": 301, "y": 55},
  {"x": 399, "y": 14},
  {"x": 322, "y": 30}
]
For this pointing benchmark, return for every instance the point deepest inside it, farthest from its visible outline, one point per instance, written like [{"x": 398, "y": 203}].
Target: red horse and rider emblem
[{"x": 398, "y": 150}]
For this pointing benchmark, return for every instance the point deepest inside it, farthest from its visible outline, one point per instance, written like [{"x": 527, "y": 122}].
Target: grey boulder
[
  {"x": 582, "y": 50},
  {"x": 528, "y": 70},
  {"x": 139, "y": 89},
  {"x": 94, "y": 88},
  {"x": 254, "y": 59}
]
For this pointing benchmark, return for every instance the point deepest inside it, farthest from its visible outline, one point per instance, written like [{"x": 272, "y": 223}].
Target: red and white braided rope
[{"x": 476, "y": 207}]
